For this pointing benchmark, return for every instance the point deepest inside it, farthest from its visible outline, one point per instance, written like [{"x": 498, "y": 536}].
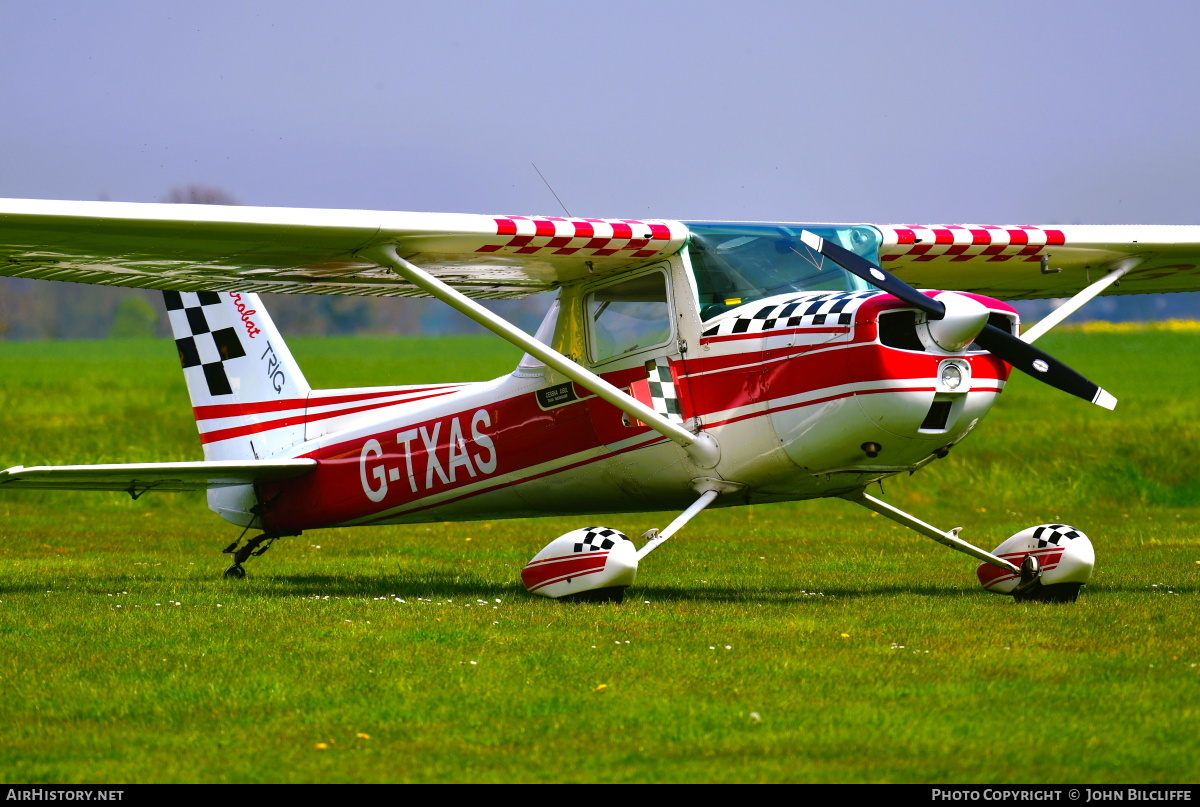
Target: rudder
[{"x": 247, "y": 392}]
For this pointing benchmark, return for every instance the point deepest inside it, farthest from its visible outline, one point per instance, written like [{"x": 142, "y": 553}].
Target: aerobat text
[{"x": 245, "y": 312}]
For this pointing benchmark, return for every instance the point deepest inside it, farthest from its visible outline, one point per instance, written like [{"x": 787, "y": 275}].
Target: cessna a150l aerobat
[{"x": 684, "y": 365}]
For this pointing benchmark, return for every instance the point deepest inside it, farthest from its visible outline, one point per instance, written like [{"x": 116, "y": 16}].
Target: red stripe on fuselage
[
  {"x": 521, "y": 434},
  {"x": 281, "y": 423},
  {"x": 818, "y": 369},
  {"x": 826, "y": 399},
  {"x": 561, "y": 469},
  {"x": 248, "y": 429},
  {"x": 232, "y": 410}
]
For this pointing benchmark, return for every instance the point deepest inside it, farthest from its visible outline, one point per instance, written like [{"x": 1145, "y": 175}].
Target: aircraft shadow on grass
[
  {"x": 796, "y": 594},
  {"x": 470, "y": 586},
  {"x": 404, "y": 586},
  {"x": 706, "y": 593}
]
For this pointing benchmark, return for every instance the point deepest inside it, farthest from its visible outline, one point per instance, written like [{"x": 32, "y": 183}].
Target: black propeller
[
  {"x": 877, "y": 276},
  {"x": 1001, "y": 343},
  {"x": 1042, "y": 366}
]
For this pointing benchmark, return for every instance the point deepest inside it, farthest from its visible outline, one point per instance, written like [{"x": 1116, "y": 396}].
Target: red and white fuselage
[{"x": 798, "y": 391}]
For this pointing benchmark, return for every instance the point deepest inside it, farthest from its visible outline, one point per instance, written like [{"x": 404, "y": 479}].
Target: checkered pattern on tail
[
  {"x": 799, "y": 311},
  {"x": 234, "y": 360},
  {"x": 1054, "y": 534},
  {"x": 204, "y": 348},
  {"x": 596, "y": 539}
]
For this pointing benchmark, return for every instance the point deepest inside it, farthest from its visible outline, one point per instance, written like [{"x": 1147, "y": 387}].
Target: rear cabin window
[{"x": 629, "y": 317}]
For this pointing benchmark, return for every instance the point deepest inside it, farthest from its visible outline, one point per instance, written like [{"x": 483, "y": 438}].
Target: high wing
[
  {"x": 1025, "y": 262},
  {"x": 292, "y": 250},
  {"x": 312, "y": 251},
  {"x": 137, "y": 478}
]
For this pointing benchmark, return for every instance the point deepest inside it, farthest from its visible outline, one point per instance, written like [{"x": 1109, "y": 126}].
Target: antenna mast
[{"x": 560, "y": 201}]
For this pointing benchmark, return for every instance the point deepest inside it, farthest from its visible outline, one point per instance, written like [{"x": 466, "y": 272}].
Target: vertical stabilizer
[{"x": 247, "y": 392}]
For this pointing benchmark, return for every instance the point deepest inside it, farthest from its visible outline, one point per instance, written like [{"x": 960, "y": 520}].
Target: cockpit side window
[{"x": 629, "y": 317}]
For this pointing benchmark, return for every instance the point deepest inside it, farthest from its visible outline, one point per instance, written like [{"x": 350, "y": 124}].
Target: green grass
[{"x": 934, "y": 680}]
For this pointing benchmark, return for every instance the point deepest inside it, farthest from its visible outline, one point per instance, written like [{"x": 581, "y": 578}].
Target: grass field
[{"x": 802, "y": 642}]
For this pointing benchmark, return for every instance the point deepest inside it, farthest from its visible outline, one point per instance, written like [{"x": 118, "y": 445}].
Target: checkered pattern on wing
[
  {"x": 965, "y": 242},
  {"x": 204, "y": 347},
  {"x": 1054, "y": 534},
  {"x": 664, "y": 398},
  {"x": 805, "y": 310},
  {"x": 596, "y": 539},
  {"x": 523, "y": 235}
]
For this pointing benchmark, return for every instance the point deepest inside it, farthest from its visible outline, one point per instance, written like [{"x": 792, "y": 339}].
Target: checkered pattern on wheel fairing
[
  {"x": 805, "y": 310},
  {"x": 1055, "y": 534},
  {"x": 596, "y": 539},
  {"x": 204, "y": 348}
]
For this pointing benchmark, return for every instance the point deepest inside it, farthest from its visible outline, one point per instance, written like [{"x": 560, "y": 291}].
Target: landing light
[{"x": 951, "y": 376}]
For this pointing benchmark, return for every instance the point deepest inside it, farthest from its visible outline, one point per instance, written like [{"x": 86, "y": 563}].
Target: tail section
[{"x": 247, "y": 391}]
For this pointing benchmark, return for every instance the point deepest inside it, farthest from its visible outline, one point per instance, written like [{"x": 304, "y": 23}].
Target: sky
[{"x": 888, "y": 112}]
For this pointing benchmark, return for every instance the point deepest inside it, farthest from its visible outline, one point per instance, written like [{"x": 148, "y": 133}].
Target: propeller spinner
[{"x": 953, "y": 317}]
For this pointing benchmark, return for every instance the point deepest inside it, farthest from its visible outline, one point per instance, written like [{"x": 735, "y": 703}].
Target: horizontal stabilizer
[{"x": 138, "y": 477}]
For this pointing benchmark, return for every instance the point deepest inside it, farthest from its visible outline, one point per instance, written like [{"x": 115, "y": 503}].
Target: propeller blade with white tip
[
  {"x": 1042, "y": 366},
  {"x": 1001, "y": 343}
]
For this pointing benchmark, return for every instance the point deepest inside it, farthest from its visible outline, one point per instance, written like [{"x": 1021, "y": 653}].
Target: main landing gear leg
[
  {"x": 253, "y": 548},
  {"x": 949, "y": 539},
  {"x": 657, "y": 537}
]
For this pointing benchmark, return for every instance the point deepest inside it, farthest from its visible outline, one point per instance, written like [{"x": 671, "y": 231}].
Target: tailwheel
[{"x": 253, "y": 548}]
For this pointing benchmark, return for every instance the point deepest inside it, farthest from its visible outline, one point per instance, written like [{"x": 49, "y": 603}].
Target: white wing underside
[
  {"x": 310, "y": 251},
  {"x": 307, "y": 251},
  {"x": 137, "y": 478}
]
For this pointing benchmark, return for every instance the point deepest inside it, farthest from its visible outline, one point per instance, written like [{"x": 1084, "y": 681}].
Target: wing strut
[
  {"x": 1078, "y": 301},
  {"x": 949, "y": 539},
  {"x": 702, "y": 448}
]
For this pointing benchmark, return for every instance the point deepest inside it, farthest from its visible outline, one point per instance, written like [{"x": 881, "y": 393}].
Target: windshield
[{"x": 735, "y": 264}]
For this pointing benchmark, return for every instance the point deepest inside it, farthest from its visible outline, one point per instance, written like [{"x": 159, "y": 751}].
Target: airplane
[{"x": 682, "y": 365}]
